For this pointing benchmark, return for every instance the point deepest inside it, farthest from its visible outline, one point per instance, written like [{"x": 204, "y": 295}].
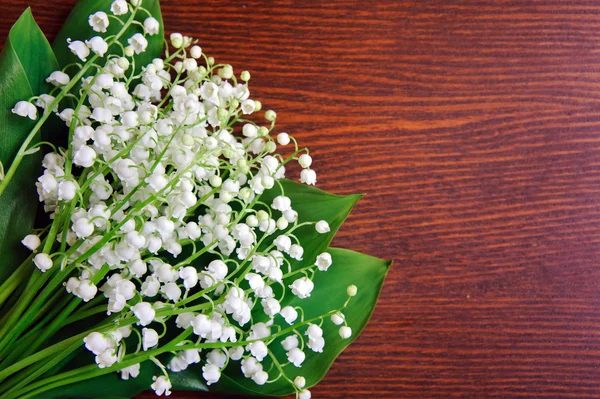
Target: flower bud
[
  {"x": 226, "y": 72},
  {"x": 283, "y": 138},
  {"x": 304, "y": 394},
  {"x": 215, "y": 181},
  {"x": 196, "y": 52},
  {"x": 282, "y": 223},
  {"x": 322, "y": 227},
  {"x": 270, "y": 115},
  {"x": 176, "y": 40},
  {"x": 43, "y": 262},
  {"x": 270, "y": 147},
  {"x": 351, "y": 290},
  {"x": 123, "y": 63},
  {"x": 337, "y": 318},
  {"x": 300, "y": 382},
  {"x": 263, "y": 131},
  {"x": 345, "y": 332}
]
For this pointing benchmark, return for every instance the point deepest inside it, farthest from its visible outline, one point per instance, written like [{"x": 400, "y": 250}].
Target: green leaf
[
  {"x": 364, "y": 271},
  {"x": 312, "y": 205},
  {"x": 25, "y": 62},
  {"x": 76, "y": 27},
  {"x": 106, "y": 386}
]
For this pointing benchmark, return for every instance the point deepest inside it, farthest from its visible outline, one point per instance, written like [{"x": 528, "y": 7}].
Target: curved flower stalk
[{"x": 160, "y": 222}]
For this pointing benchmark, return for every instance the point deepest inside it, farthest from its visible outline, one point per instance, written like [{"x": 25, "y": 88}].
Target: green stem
[
  {"x": 24, "y": 342},
  {"x": 91, "y": 371},
  {"x": 7, "y": 333},
  {"x": 85, "y": 314},
  {"x": 22, "y": 380},
  {"x": 43, "y": 354},
  {"x": 53, "y": 327},
  {"x": 15, "y": 279}
]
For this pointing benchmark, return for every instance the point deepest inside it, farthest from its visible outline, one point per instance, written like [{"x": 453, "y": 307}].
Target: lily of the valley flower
[{"x": 161, "y": 205}]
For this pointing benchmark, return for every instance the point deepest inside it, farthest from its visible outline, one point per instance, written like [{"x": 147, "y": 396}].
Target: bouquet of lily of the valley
[{"x": 148, "y": 236}]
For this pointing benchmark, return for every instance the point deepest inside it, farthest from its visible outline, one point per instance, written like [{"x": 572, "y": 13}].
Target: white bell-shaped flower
[
  {"x": 149, "y": 338},
  {"x": 296, "y": 357},
  {"x": 151, "y": 26},
  {"x": 99, "y": 21},
  {"x": 79, "y": 48},
  {"x": 216, "y": 357},
  {"x": 171, "y": 291},
  {"x": 119, "y": 7},
  {"x": 58, "y": 78},
  {"x": 31, "y": 241},
  {"x": 96, "y": 342},
  {"x": 25, "y": 109},
  {"x": 308, "y": 176},
  {"x": 322, "y": 227},
  {"x": 106, "y": 359},
  {"x": 144, "y": 313},
  {"x": 271, "y": 306},
  {"x": 189, "y": 275},
  {"x": 290, "y": 342},
  {"x": 289, "y": 314},
  {"x": 130, "y": 372},
  {"x": 67, "y": 190},
  {"x": 251, "y": 366},
  {"x": 162, "y": 384},
  {"x": 97, "y": 45},
  {"x": 324, "y": 261},
  {"x": 85, "y": 156},
  {"x": 138, "y": 42},
  {"x": 260, "y": 377},
  {"x": 211, "y": 373},
  {"x": 302, "y": 287}
]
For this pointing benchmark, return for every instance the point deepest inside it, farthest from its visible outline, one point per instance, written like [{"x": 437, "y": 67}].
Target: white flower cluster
[{"x": 157, "y": 207}]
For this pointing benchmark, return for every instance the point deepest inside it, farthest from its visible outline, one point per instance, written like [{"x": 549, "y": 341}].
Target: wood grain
[{"x": 473, "y": 127}]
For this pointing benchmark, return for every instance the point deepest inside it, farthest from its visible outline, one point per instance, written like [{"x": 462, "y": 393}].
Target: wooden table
[{"x": 474, "y": 129}]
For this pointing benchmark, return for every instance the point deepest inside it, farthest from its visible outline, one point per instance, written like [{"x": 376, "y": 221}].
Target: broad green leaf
[
  {"x": 25, "y": 62},
  {"x": 366, "y": 272},
  {"x": 76, "y": 27},
  {"x": 312, "y": 205}
]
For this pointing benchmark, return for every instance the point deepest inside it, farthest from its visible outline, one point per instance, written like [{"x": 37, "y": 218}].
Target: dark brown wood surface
[{"x": 474, "y": 129}]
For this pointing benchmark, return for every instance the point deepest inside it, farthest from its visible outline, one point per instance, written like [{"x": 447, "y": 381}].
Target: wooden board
[{"x": 474, "y": 129}]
